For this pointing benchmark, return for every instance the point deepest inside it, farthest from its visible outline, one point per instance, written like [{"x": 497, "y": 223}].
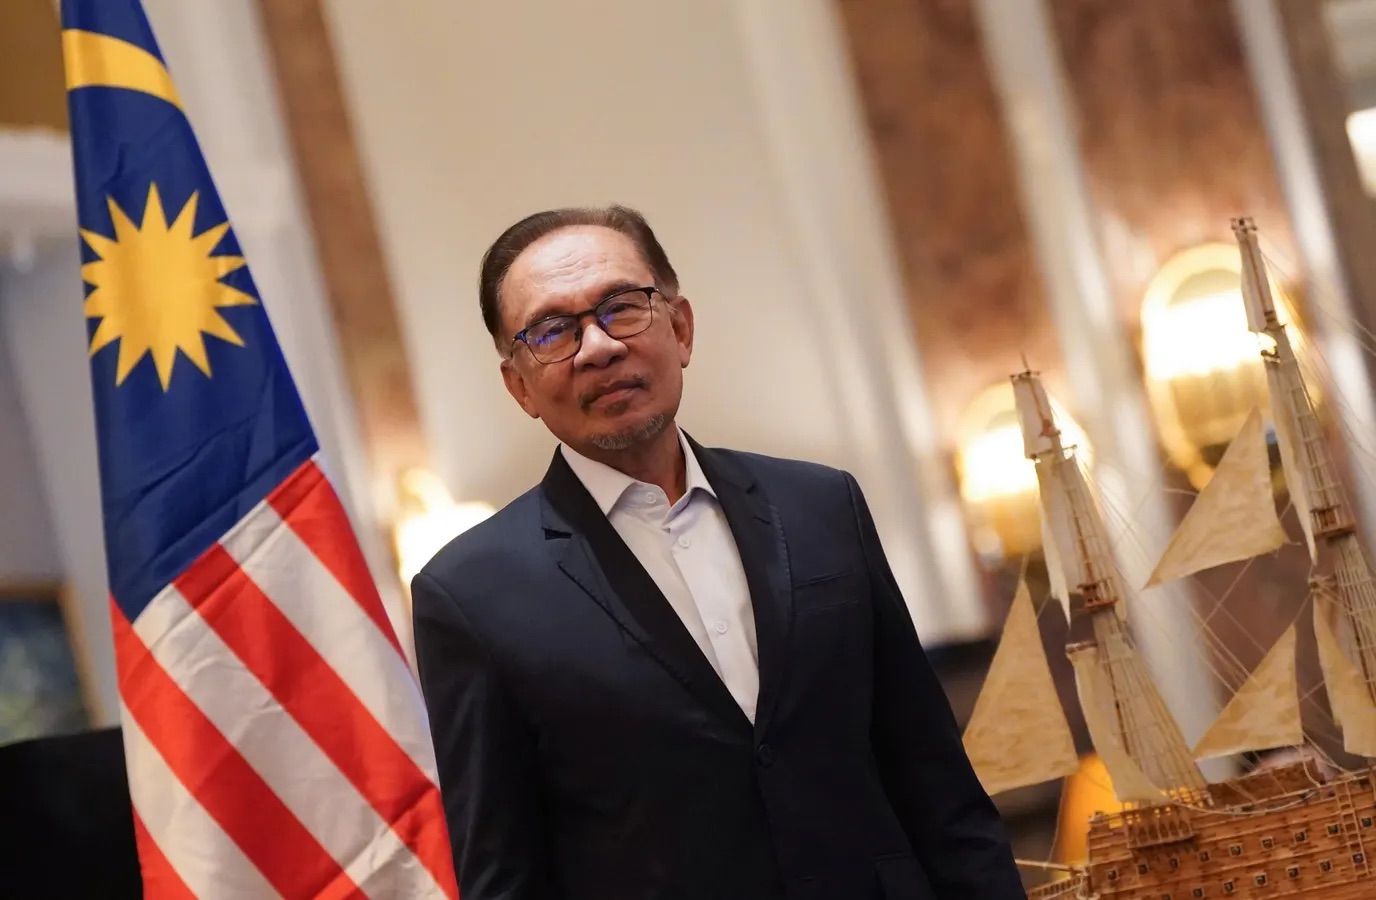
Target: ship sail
[
  {"x": 1054, "y": 572},
  {"x": 1066, "y": 560},
  {"x": 1018, "y": 734},
  {"x": 1233, "y": 518},
  {"x": 1311, "y": 473},
  {"x": 1095, "y": 687},
  {"x": 1064, "y": 566},
  {"x": 1059, "y": 532},
  {"x": 1348, "y": 695},
  {"x": 1290, "y": 405},
  {"x": 1264, "y": 713},
  {"x": 1130, "y": 712},
  {"x": 1290, "y": 460}
]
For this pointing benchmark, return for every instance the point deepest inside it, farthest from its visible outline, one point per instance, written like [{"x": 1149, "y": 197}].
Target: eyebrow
[{"x": 620, "y": 286}]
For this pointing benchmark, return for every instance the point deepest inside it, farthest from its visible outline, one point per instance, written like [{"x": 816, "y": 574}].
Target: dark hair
[{"x": 498, "y": 259}]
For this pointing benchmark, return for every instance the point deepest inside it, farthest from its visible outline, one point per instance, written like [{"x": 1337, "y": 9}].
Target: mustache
[{"x": 586, "y": 398}]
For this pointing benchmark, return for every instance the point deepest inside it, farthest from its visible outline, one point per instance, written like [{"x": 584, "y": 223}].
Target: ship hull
[{"x": 1284, "y": 833}]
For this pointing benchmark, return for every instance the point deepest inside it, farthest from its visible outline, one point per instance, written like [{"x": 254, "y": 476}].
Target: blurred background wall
[{"x": 880, "y": 208}]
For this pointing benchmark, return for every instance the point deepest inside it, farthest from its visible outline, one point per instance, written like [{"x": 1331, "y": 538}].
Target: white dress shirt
[{"x": 688, "y": 549}]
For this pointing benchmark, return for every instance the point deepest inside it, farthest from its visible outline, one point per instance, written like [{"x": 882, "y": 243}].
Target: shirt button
[
  {"x": 649, "y": 499},
  {"x": 765, "y": 756},
  {"x": 721, "y": 626},
  {"x": 684, "y": 542}
]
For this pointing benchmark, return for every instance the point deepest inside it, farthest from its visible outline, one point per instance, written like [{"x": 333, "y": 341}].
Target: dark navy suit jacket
[{"x": 587, "y": 749}]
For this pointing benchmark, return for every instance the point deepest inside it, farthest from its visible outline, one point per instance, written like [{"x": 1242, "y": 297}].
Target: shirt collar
[{"x": 607, "y": 485}]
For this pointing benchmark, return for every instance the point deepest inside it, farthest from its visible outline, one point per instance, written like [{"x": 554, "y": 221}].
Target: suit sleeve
[
  {"x": 953, "y": 826},
  {"x": 485, "y": 753}
]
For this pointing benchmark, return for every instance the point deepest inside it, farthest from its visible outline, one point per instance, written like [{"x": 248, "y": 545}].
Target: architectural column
[
  {"x": 33, "y": 129},
  {"x": 347, "y": 245},
  {"x": 1067, "y": 223},
  {"x": 1304, "y": 108},
  {"x": 814, "y": 127},
  {"x": 973, "y": 294},
  {"x": 31, "y": 80}
]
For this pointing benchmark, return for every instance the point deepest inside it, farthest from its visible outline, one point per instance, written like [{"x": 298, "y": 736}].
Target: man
[{"x": 668, "y": 671}]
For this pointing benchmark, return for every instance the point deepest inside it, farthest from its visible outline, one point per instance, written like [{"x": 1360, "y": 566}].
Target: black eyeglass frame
[{"x": 649, "y": 292}]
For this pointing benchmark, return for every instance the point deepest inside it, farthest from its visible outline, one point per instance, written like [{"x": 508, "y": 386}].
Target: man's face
[{"x": 612, "y": 394}]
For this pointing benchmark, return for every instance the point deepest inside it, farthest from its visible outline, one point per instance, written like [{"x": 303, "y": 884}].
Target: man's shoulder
[
  {"x": 503, "y": 539},
  {"x": 792, "y": 482},
  {"x": 783, "y": 468}
]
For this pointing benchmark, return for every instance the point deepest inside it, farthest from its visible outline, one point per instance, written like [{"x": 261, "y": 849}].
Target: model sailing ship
[{"x": 1288, "y": 831}]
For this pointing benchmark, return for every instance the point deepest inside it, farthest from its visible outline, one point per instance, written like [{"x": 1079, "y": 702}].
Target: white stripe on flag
[
  {"x": 314, "y": 601},
  {"x": 194, "y": 845},
  {"x": 280, "y": 751}
]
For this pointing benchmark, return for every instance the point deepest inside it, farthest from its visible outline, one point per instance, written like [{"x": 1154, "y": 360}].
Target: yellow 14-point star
[{"x": 158, "y": 289}]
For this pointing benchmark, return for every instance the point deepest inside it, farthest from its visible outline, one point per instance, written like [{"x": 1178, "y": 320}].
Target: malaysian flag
[{"x": 275, "y": 737}]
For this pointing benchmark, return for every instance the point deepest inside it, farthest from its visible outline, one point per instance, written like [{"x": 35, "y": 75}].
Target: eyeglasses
[{"x": 622, "y": 315}]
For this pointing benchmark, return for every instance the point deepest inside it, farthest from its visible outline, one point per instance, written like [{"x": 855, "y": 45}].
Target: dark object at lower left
[{"x": 67, "y": 819}]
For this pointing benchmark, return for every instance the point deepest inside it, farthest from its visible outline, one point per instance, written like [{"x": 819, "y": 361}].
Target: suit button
[{"x": 765, "y": 756}]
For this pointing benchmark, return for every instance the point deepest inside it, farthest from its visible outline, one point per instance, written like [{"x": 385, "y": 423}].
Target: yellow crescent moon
[{"x": 98, "y": 60}]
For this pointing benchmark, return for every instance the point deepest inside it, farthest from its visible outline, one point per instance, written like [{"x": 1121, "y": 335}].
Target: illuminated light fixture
[
  {"x": 998, "y": 483},
  {"x": 428, "y": 518},
  {"x": 1361, "y": 133},
  {"x": 1202, "y": 366}
]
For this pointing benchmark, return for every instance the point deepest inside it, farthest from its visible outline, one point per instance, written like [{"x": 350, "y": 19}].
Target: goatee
[{"x": 623, "y": 440}]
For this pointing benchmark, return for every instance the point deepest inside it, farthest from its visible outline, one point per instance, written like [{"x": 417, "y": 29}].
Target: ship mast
[
  {"x": 1143, "y": 726},
  {"x": 1318, "y": 495}
]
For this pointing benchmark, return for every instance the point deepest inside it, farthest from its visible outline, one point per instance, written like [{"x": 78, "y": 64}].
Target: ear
[
  {"x": 516, "y": 386},
  {"x": 681, "y": 320}
]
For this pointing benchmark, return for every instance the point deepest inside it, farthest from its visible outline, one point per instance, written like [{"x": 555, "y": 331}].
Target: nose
[{"x": 598, "y": 349}]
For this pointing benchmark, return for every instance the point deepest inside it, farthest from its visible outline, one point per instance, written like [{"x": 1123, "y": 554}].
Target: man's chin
[{"x": 625, "y": 438}]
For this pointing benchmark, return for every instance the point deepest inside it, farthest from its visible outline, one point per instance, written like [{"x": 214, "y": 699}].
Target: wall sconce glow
[
  {"x": 997, "y": 482},
  {"x": 1199, "y": 336},
  {"x": 991, "y": 465},
  {"x": 991, "y": 459},
  {"x": 1361, "y": 133},
  {"x": 428, "y": 519},
  {"x": 1202, "y": 366}
]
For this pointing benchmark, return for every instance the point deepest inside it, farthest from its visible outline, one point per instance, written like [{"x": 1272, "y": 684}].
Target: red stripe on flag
[
  {"x": 220, "y": 779},
  {"x": 295, "y": 673},
  {"x": 308, "y": 504},
  {"x": 160, "y": 880}
]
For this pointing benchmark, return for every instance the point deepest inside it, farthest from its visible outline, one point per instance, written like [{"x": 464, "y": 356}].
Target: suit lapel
[
  {"x": 588, "y": 550},
  {"x": 760, "y": 541}
]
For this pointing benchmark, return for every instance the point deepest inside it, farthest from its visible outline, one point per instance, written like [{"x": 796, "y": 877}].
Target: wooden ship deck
[
  {"x": 1306, "y": 839},
  {"x": 1279, "y": 834}
]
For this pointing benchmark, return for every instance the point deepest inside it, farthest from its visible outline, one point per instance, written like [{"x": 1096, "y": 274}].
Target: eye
[{"x": 548, "y": 332}]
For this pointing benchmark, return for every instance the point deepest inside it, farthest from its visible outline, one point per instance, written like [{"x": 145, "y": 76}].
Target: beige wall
[
  {"x": 473, "y": 116},
  {"x": 470, "y": 116},
  {"x": 42, "y": 337},
  {"x": 28, "y": 550}
]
